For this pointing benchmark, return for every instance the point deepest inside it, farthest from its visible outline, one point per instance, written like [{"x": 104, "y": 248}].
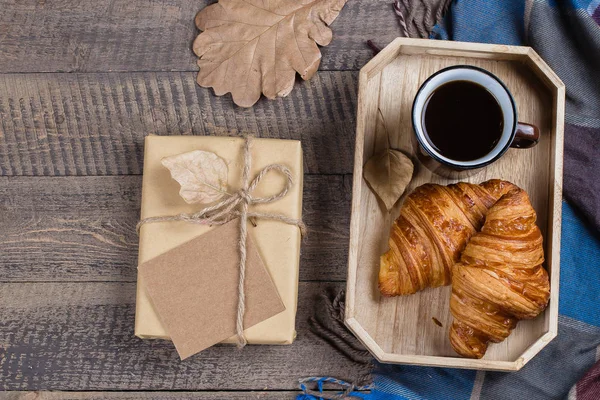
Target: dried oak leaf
[
  {"x": 389, "y": 171},
  {"x": 388, "y": 174},
  {"x": 253, "y": 46},
  {"x": 201, "y": 174}
]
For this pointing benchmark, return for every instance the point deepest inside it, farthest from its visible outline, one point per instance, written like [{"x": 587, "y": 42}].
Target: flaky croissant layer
[
  {"x": 433, "y": 228},
  {"x": 500, "y": 278}
]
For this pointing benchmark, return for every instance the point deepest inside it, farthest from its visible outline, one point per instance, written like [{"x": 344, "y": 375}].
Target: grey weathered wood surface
[
  {"x": 98, "y": 36},
  {"x": 94, "y": 124},
  {"x": 83, "y": 228},
  {"x": 68, "y": 336},
  {"x": 246, "y": 395},
  {"x": 71, "y": 155}
]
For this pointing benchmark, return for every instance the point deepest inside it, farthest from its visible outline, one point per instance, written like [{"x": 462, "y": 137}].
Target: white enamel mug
[{"x": 515, "y": 134}]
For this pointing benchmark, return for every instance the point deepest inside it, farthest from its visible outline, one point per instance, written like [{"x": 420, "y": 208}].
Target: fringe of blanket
[
  {"x": 418, "y": 17},
  {"x": 328, "y": 324}
]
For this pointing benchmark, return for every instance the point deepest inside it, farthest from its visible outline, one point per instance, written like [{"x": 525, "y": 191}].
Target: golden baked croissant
[
  {"x": 500, "y": 279},
  {"x": 434, "y": 226}
]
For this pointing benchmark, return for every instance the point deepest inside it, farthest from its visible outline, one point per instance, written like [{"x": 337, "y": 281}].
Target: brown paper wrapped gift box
[{"x": 277, "y": 243}]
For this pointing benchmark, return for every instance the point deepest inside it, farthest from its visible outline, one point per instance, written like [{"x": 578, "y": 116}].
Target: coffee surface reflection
[{"x": 462, "y": 120}]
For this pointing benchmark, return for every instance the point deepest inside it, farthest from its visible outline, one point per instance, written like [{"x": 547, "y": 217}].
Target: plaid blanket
[{"x": 566, "y": 33}]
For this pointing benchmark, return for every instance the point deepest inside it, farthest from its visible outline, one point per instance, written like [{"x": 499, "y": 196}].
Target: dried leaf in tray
[{"x": 388, "y": 172}]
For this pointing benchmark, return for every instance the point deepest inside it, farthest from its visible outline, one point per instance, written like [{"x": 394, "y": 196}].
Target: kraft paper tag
[{"x": 194, "y": 289}]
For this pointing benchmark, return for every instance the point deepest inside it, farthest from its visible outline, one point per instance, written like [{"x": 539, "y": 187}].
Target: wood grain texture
[
  {"x": 79, "y": 336},
  {"x": 202, "y": 395},
  {"x": 137, "y": 35},
  {"x": 244, "y": 395},
  {"x": 94, "y": 124},
  {"x": 83, "y": 228},
  {"x": 389, "y": 83}
]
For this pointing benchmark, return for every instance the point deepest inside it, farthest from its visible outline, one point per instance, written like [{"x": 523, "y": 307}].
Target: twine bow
[{"x": 236, "y": 205}]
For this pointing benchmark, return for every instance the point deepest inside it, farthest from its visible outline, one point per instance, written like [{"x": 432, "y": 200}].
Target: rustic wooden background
[{"x": 81, "y": 83}]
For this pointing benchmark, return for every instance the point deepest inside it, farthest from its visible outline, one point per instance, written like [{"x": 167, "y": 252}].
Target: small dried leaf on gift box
[
  {"x": 252, "y": 46},
  {"x": 201, "y": 174}
]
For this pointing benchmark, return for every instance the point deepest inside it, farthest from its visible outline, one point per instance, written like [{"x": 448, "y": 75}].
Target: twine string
[{"x": 237, "y": 206}]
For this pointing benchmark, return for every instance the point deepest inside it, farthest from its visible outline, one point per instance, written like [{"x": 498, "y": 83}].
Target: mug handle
[{"x": 527, "y": 136}]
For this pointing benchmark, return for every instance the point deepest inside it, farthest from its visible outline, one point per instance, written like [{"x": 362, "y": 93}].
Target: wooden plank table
[{"x": 81, "y": 84}]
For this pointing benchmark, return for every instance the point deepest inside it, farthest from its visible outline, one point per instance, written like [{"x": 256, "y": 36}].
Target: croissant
[
  {"x": 433, "y": 228},
  {"x": 500, "y": 279}
]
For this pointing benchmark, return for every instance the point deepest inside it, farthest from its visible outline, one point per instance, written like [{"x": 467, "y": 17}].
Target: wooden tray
[{"x": 401, "y": 329}]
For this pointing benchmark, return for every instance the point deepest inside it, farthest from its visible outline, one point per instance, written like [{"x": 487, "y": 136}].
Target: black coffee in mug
[{"x": 463, "y": 120}]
